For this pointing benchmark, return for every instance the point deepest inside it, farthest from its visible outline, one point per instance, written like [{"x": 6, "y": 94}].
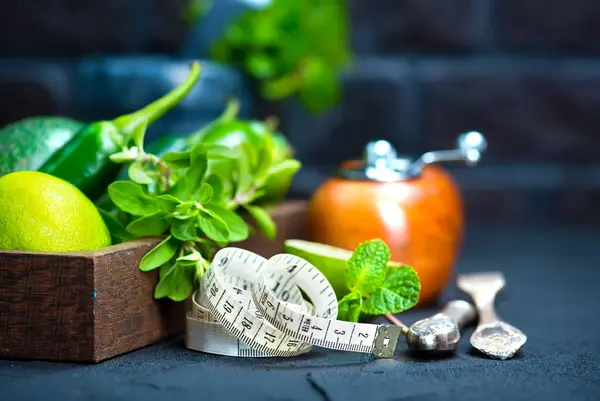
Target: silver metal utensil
[
  {"x": 439, "y": 333},
  {"x": 493, "y": 337}
]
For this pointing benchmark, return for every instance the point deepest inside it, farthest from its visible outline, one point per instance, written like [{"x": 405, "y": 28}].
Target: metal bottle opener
[
  {"x": 441, "y": 332},
  {"x": 493, "y": 337}
]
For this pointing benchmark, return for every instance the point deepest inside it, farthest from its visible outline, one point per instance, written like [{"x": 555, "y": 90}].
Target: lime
[
  {"x": 40, "y": 212},
  {"x": 330, "y": 260}
]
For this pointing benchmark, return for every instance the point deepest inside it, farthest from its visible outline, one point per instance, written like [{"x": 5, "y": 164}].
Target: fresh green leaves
[
  {"x": 149, "y": 226},
  {"x": 159, "y": 255},
  {"x": 377, "y": 287},
  {"x": 263, "y": 220},
  {"x": 367, "y": 267},
  {"x": 194, "y": 211},
  {"x": 238, "y": 228},
  {"x": 176, "y": 282},
  {"x": 291, "y": 47},
  {"x": 196, "y": 199},
  {"x": 130, "y": 197},
  {"x": 400, "y": 291},
  {"x": 350, "y": 306},
  {"x": 198, "y": 165}
]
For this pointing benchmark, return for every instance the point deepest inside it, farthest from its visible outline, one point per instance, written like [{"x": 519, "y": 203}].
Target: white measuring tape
[{"x": 249, "y": 306}]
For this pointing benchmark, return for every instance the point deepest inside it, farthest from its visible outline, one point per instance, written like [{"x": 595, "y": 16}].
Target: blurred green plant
[
  {"x": 195, "y": 10},
  {"x": 291, "y": 47}
]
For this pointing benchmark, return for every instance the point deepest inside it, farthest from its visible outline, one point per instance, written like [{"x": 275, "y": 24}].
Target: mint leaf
[
  {"x": 349, "y": 307},
  {"x": 129, "y": 197},
  {"x": 214, "y": 228},
  {"x": 184, "y": 230},
  {"x": 204, "y": 194},
  {"x": 117, "y": 231},
  {"x": 138, "y": 174},
  {"x": 177, "y": 159},
  {"x": 400, "y": 292},
  {"x": 160, "y": 254},
  {"x": 265, "y": 223},
  {"x": 238, "y": 229},
  {"x": 176, "y": 283},
  {"x": 367, "y": 267},
  {"x": 385, "y": 301},
  {"x": 149, "y": 226}
]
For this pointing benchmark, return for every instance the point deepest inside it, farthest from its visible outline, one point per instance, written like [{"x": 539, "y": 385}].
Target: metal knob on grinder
[{"x": 411, "y": 203}]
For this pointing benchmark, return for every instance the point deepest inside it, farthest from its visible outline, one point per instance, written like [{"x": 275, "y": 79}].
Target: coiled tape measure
[{"x": 249, "y": 306}]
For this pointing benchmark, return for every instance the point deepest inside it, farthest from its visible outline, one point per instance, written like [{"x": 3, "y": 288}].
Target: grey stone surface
[
  {"x": 551, "y": 294},
  {"x": 392, "y": 26},
  {"x": 530, "y": 110},
  {"x": 557, "y": 26}
]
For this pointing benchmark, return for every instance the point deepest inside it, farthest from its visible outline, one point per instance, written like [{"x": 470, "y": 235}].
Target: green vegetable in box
[
  {"x": 28, "y": 143},
  {"x": 194, "y": 199},
  {"x": 229, "y": 131},
  {"x": 40, "y": 212},
  {"x": 84, "y": 159}
]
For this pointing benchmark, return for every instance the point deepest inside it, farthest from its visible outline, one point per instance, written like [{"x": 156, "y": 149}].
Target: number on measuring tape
[{"x": 249, "y": 306}]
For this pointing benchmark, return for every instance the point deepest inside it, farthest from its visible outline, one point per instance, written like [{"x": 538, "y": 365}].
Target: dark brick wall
[{"x": 524, "y": 72}]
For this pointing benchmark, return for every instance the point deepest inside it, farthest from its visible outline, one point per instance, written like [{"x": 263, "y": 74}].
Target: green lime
[
  {"x": 330, "y": 260},
  {"x": 40, "y": 212}
]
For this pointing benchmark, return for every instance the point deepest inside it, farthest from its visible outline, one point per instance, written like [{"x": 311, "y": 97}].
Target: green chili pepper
[{"x": 85, "y": 160}]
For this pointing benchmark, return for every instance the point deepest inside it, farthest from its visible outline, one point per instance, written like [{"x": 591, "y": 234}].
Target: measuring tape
[{"x": 249, "y": 306}]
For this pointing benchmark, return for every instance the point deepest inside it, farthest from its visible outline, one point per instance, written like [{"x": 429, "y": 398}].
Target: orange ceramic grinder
[{"x": 413, "y": 205}]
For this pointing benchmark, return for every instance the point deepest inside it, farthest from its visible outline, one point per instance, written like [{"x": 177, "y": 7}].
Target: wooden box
[{"x": 90, "y": 306}]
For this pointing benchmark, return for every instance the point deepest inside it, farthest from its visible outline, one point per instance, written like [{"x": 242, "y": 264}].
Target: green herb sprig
[
  {"x": 375, "y": 287},
  {"x": 195, "y": 201},
  {"x": 291, "y": 47}
]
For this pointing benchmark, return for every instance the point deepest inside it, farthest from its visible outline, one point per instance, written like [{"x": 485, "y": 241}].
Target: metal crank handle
[{"x": 470, "y": 147}]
